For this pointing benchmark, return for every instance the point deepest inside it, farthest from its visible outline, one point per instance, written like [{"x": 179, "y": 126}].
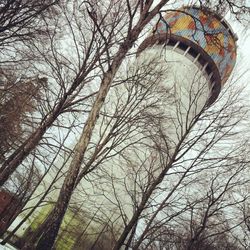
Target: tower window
[
  {"x": 201, "y": 61},
  {"x": 208, "y": 70},
  {"x": 182, "y": 46},
  {"x": 192, "y": 52}
]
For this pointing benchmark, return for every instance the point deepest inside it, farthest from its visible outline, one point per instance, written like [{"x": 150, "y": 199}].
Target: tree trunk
[
  {"x": 54, "y": 220},
  {"x": 31, "y": 239},
  {"x": 48, "y": 238}
]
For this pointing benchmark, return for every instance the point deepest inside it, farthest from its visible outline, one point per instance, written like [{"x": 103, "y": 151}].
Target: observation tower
[
  {"x": 189, "y": 55},
  {"x": 196, "y": 51}
]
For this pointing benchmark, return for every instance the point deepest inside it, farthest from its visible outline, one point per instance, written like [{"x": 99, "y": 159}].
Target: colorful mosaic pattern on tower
[{"x": 206, "y": 31}]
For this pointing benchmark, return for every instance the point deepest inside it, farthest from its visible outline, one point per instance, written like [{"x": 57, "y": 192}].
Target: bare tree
[
  {"x": 19, "y": 20},
  {"x": 18, "y": 98},
  {"x": 99, "y": 52},
  {"x": 54, "y": 220},
  {"x": 14, "y": 160}
]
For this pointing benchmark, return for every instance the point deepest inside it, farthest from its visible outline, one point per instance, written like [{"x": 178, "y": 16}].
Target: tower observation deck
[{"x": 202, "y": 36}]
